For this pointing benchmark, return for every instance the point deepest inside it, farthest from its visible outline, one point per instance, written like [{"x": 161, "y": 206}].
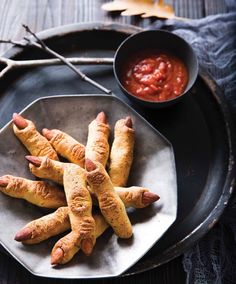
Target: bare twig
[
  {"x": 28, "y": 30},
  {"x": 8, "y": 66},
  {"x": 16, "y": 43},
  {"x": 13, "y": 64},
  {"x": 42, "y": 46}
]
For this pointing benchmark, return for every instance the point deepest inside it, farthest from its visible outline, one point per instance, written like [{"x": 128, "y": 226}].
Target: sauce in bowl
[{"x": 154, "y": 75}]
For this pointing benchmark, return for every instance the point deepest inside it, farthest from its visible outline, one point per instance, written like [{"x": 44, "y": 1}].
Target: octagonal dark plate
[{"x": 153, "y": 167}]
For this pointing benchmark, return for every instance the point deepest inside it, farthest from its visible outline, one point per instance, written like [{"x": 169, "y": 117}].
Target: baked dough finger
[
  {"x": 58, "y": 221},
  {"x": 39, "y": 193},
  {"x": 43, "y": 167},
  {"x": 121, "y": 156},
  {"x": 97, "y": 147},
  {"x": 111, "y": 205},
  {"x": 45, "y": 227},
  {"x": 136, "y": 196},
  {"x": 66, "y": 146},
  {"x": 64, "y": 250},
  {"x": 27, "y": 133},
  {"x": 80, "y": 206},
  {"x": 133, "y": 196}
]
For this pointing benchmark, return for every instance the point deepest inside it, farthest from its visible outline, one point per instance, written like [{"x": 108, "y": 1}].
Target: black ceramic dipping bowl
[{"x": 160, "y": 40}]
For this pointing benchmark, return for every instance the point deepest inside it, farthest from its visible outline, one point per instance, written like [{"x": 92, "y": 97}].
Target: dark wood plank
[
  {"x": 215, "y": 7},
  {"x": 189, "y": 9},
  {"x": 45, "y": 14}
]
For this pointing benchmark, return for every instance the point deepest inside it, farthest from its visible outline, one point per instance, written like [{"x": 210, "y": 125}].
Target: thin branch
[
  {"x": 13, "y": 64},
  {"x": 56, "y": 61},
  {"x": 28, "y": 30},
  {"x": 16, "y": 43},
  {"x": 5, "y": 70},
  {"x": 41, "y": 45},
  {"x": 8, "y": 64},
  {"x": 4, "y": 60}
]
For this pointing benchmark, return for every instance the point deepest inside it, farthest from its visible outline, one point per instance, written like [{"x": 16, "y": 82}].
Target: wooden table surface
[{"x": 44, "y": 14}]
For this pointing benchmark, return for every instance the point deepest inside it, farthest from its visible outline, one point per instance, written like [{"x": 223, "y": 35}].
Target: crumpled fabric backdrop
[{"x": 213, "y": 258}]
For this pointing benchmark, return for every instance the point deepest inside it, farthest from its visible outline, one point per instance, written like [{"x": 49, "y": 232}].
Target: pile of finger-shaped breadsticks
[{"x": 94, "y": 175}]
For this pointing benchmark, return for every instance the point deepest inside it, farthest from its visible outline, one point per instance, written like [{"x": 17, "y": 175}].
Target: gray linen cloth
[{"x": 213, "y": 258}]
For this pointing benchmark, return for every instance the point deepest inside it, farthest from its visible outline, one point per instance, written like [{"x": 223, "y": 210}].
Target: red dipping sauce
[{"x": 154, "y": 75}]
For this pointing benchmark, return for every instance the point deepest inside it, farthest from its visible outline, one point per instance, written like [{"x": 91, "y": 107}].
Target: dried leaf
[{"x": 145, "y": 8}]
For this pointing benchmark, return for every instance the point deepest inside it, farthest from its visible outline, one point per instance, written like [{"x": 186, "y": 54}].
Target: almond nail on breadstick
[
  {"x": 35, "y": 161},
  {"x": 121, "y": 156},
  {"x": 3, "y": 182},
  {"x": 136, "y": 196},
  {"x": 111, "y": 205},
  {"x": 148, "y": 198},
  {"x": 23, "y": 235},
  {"x": 43, "y": 167},
  {"x": 27, "y": 133},
  {"x": 39, "y": 193},
  {"x": 66, "y": 146},
  {"x": 97, "y": 147},
  {"x": 19, "y": 121}
]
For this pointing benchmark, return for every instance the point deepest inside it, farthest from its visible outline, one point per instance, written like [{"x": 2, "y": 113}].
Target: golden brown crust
[
  {"x": 97, "y": 147},
  {"x": 70, "y": 244},
  {"x": 80, "y": 203},
  {"x": 36, "y": 144},
  {"x": 121, "y": 156},
  {"x": 132, "y": 196},
  {"x": 66, "y": 146},
  {"x": 49, "y": 169},
  {"x": 39, "y": 193},
  {"x": 45, "y": 227},
  {"x": 100, "y": 224},
  {"x": 135, "y": 196},
  {"x": 110, "y": 204}
]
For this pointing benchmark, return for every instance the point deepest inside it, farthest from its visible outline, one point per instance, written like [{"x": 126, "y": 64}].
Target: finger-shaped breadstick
[
  {"x": 58, "y": 221},
  {"x": 64, "y": 249},
  {"x": 39, "y": 193},
  {"x": 66, "y": 146},
  {"x": 111, "y": 205},
  {"x": 133, "y": 196},
  {"x": 121, "y": 156},
  {"x": 136, "y": 196},
  {"x": 36, "y": 144},
  {"x": 97, "y": 148},
  {"x": 68, "y": 246},
  {"x": 45, "y": 227},
  {"x": 43, "y": 167},
  {"x": 80, "y": 206}
]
